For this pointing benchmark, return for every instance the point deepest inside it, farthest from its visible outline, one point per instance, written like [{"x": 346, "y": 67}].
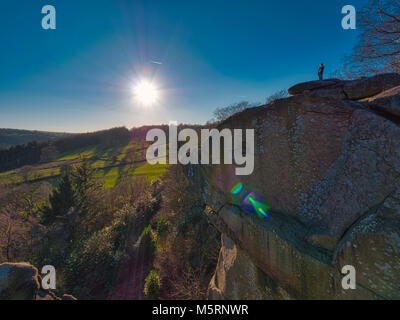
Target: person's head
[{"x": 321, "y": 64}]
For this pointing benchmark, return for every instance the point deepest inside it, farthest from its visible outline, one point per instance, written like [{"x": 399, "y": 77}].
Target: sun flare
[{"x": 146, "y": 92}]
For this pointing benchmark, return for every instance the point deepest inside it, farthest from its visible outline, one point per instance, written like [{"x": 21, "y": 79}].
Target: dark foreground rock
[
  {"x": 18, "y": 282},
  {"x": 21, "y": 281}
]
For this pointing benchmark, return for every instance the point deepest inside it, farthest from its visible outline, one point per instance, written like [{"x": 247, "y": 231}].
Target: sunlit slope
[{"x": 112, "y": 164}]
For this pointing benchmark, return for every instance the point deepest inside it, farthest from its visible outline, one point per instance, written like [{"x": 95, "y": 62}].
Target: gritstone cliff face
[{"x": 328, "y": 165}]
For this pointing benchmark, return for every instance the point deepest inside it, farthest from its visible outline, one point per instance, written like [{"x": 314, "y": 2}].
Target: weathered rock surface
[
  {"x": 21, "y": 281},
  {"x": 367, "y": 87},
  {"x": 330, "y": 171},
  {"x": 350, "y": 89},
  {"x": 312, "y": 85}
]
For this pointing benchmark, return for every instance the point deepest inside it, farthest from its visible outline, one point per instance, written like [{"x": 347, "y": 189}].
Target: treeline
[
  {"x": 35, "y": 152},
  {"x": 14, "y": 137},
  {"x": 21, "y": 155},
  {"x": 104, "y": 138},
  {"x": 141, "y": 132}
]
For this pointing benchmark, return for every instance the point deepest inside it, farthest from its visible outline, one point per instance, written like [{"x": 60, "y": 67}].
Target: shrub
[
  {"x": 61, "y": 200},
  {"x": 93, "y": 262},
  {"x": 162, "y": 226},
  {"x": 148, "y": 241},
  {"x": 152, "y": 285},
  {"x": 189, "y": 219}
]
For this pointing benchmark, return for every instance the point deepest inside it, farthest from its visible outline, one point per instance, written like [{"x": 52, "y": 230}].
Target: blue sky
[{"x": 78, "y": 78}]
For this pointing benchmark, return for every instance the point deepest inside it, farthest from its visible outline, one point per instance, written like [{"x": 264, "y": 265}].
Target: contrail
[{"x": 156, "y": 62}]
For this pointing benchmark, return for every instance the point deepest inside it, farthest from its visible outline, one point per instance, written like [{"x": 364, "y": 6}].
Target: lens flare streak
[
  {"x": 249, "y": 202},
  {"x": 260, "y": 208}
]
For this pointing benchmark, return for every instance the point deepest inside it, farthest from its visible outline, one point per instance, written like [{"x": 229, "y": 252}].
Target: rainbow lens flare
[
  {"x": 237, "y": 189},
  {"x": 260, "y": 208},
  {"x": 251, "y": 201}
]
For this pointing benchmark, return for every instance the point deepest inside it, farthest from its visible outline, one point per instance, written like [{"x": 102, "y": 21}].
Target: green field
[{"x": 112, "y": 165}]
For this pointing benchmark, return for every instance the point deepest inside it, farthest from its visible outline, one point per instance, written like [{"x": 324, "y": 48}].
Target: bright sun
[{"x": 146, "y": 93}]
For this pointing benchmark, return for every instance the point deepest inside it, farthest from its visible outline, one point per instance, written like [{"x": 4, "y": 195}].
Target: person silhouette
[{"x": 321, "y": 71}]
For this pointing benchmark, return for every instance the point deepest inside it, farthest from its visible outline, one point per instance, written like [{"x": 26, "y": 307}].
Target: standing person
[{"x": 321, "y": 71}]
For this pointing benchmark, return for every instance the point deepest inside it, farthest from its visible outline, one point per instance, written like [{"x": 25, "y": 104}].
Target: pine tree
[
  {"x": 83, "y": 181},
  {"x": 61, "y": 200}
]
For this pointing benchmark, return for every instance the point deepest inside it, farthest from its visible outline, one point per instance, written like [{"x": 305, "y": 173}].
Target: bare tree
[
  {"x": 221, "y": 114},
  {"x": 277, "y": 95},
  {"x": 189, "y": 285},
  {"x": 19, "y": 227},
  {"x": 378, "y": 48}
]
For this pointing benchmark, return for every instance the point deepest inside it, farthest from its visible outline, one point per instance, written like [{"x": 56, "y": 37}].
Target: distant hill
[{"x": 13, "y": 137}]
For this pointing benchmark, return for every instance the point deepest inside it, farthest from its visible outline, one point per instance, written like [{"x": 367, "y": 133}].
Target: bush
[
  {"x": 152, "y": 285},
  {"x": 93, "y": 262},
  {"x": 162, "y": 226},
  {"x": 61, "y": 200},
  {"x": 148, "y": 241},
  {"x": 189, "y": 220}
]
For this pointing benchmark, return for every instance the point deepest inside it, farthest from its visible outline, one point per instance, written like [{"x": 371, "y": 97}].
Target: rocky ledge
[{"x": 348, "y": 89}]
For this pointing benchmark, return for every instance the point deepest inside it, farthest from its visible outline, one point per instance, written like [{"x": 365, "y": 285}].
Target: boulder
[
  {"x": 328, "y": 169},
  {"x": 387, "y": 101},
  {"x": 312, "y": 85},
  {"x": 261, "y": 264},
  {"x": 252, "y": 284},
  {"x": 368, "y": 87},
  {"x": 21, "y": 281},
  {"x": 372, "y": 246},
  {"x": 18, "y": 281},
  {"x": 334, "y": 92}
]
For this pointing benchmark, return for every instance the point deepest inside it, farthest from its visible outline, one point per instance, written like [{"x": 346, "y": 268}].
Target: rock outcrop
[
  {"x": 350, "y": 89},
  {"x": 387, "y": 101},
  {"x": 329, "y": 168},
  {"x": 21, "y": 281}
]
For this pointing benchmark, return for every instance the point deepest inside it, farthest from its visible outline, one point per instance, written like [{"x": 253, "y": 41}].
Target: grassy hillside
[
  {"x": 13, "y": 137},
  {"x": 112, "y": 164}
]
